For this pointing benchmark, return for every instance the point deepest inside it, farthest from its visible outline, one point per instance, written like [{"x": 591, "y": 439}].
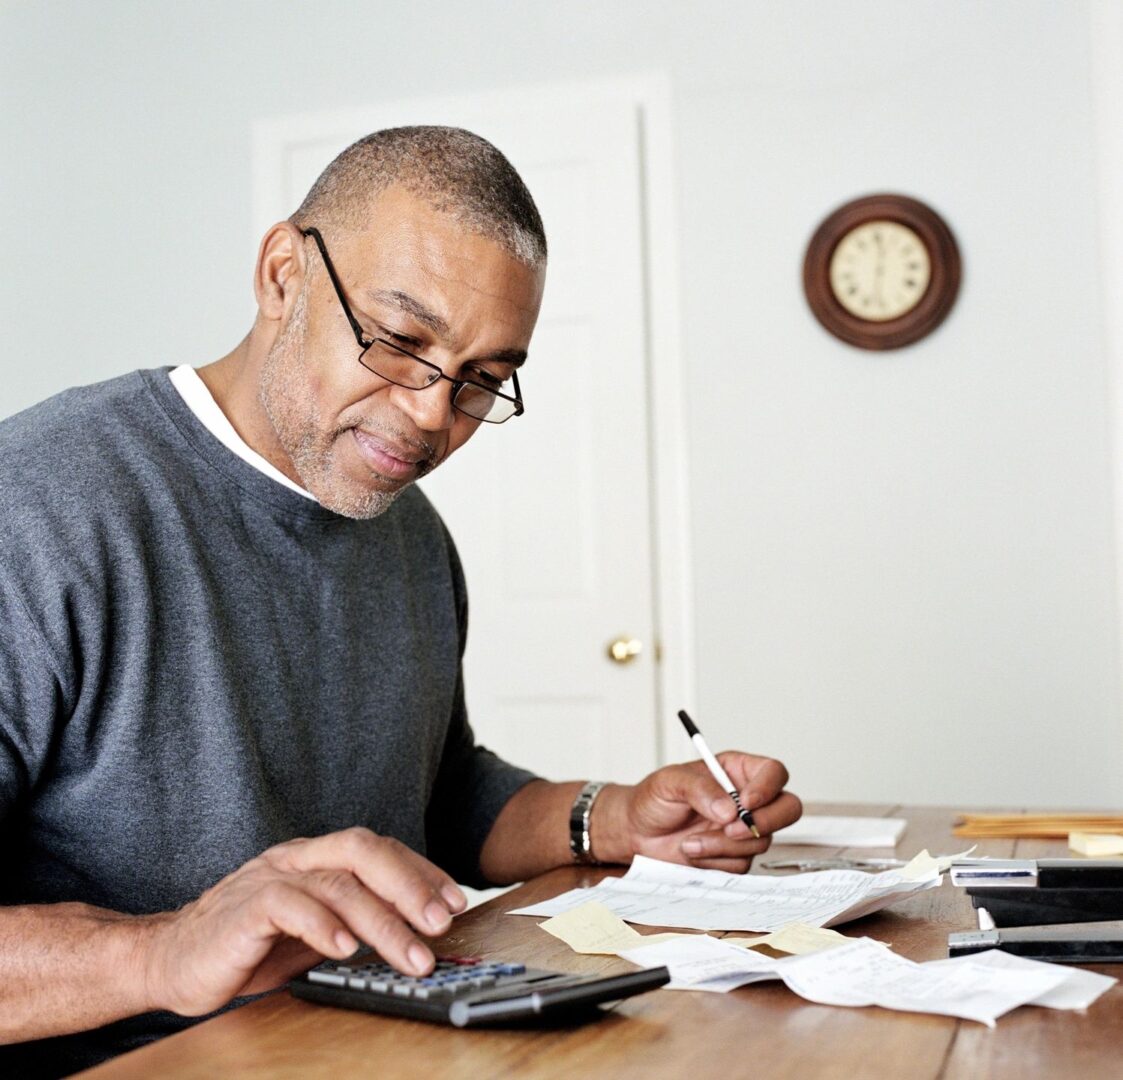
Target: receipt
[
  {"x": 656, "y": 893},
  {"x": 980, "y": 987}
]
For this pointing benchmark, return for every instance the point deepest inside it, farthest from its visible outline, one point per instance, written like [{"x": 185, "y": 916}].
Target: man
[{"x": 228, "y": 621}]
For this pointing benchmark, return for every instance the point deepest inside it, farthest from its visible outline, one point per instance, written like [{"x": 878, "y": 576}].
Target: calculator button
[
  {"x": 356, "y": 982},
  {"x": 379, "y": 986},
  {"x": 484, "y": 980},
  {"x": 431, "y": 993},
  {"x": 327, "y": 977},
  {"x": 510, "y": 969},
  {"x": 402, "y": 989}
]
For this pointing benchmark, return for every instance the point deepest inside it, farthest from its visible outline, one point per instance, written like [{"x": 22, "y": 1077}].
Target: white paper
[
  {"x": 862, "y": 972},
  {"x": 655, "y": 893},
  {"x": 1078, "y": 990},
  {"x": 704, "y": 963},
  {"x": 854, "y": 832}
]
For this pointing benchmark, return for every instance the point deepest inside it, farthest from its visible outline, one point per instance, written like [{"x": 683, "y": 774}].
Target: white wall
[{"x": 905, "y": 564}]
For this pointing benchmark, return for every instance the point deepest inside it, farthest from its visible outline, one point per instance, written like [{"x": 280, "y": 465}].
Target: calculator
[{"x": 468, "y": 991}]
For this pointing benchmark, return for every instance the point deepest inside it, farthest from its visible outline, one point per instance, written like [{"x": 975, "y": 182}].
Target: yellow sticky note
[
  {"x": 796, "y": 938},
  {"x": 801, "y": 939},
  {"x": 1095, "y": 843},
  {"x": 924, "y": 864},
  {"x": 593, "y": 928}
]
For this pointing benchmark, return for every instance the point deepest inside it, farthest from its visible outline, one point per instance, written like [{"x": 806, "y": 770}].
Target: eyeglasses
[{"x": 402, "y": 368}]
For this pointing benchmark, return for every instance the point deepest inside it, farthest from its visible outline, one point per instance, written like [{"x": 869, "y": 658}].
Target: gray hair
[{"x": 451, "y": 169}]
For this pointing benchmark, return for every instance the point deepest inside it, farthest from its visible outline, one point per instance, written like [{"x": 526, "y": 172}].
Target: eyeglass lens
[{"x": 410, "y": 371}]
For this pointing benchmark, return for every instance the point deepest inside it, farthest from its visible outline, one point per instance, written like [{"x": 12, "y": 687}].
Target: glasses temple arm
[{"x": 336, "y": 283}]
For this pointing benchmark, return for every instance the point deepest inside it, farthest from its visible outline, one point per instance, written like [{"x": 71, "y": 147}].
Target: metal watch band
[{"x": 579, "y": 841}]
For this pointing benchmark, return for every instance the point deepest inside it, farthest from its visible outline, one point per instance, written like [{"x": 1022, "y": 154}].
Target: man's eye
[
  {"x": 403, "y": 340},
  {"x": 484, "y": 378}
]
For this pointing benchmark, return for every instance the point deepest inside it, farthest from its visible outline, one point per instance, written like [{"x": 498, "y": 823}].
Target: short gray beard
[{"x": 289, "y": 403}]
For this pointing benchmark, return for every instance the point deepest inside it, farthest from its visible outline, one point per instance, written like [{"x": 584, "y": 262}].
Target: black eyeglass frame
[{"x": 365, "y": 345}]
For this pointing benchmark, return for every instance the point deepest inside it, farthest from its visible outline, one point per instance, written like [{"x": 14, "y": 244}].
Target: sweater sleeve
[
  {"x": 31, "y": 700},
  {"x": 472, "y": 784}
]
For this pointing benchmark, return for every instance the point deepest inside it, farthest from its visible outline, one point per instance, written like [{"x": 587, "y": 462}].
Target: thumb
[{"x": 691, "y": 785}]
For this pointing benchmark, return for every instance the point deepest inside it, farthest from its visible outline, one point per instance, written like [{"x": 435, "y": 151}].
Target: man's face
[{"x": 419, "y": 280}]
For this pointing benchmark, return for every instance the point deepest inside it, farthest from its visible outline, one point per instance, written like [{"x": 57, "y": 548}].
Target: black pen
[{"x": 718, "y": 773}]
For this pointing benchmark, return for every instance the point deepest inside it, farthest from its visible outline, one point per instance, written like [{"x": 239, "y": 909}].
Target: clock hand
[{"x": 879, "y": 270}]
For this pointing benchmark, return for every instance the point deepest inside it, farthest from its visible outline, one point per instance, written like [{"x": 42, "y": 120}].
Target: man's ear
[{"x": 280, "y": 270}]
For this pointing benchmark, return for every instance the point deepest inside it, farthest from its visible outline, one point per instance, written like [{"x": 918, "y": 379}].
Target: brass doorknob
[{"x": 624, "y": 650}]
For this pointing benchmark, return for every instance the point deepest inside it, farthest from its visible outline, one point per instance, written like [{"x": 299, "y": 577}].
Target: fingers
[
  {"x": 420, "y": 892},
  {"x": 759, "y": 783},
  {"x": 319, "y": 897},
  {"x": 759, "y": 779},
  {"x": 284, "y": 907},
  {"x": 678, "y": 789},
  {"x": 777, "y": 814},
  {"x": 730, "y": 866},
  {"x": 733, "y": 847},
  {"x": 716, "y": 844},
  {"x": 369, "y": 918}
]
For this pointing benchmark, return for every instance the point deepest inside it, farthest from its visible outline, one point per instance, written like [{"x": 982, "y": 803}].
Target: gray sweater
[{"x": 197, "y": 663}]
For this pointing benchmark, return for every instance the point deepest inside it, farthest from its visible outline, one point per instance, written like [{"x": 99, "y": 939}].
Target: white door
[{"x": 551, "y": 512}]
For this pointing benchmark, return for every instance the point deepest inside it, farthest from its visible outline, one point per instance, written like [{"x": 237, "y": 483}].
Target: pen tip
[{"x": 687, "y": 723}]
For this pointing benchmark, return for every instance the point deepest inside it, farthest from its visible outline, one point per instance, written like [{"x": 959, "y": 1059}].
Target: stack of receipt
[
  {"x": 979, "y": 987},
  {"x": 655, "y": 893}
]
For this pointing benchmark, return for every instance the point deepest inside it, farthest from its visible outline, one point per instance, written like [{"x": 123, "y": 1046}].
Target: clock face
[{"x": 880, "y": 270}]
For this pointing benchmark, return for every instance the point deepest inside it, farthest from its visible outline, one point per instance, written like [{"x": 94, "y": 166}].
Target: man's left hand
[{"x": 680, "y": 814}]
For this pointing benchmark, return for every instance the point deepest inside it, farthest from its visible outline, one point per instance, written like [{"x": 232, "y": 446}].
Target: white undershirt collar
[{"x": 198, "y": 399}]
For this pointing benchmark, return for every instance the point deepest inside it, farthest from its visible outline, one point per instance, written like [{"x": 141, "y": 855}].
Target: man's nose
[{"x": 431, "y": 408}]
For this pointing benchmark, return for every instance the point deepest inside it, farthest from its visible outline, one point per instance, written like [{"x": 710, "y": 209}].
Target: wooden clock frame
[{"x": 934, "y": 305}]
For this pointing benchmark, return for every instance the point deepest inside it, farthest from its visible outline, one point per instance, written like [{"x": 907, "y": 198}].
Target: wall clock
[{"x": 882, "y": 271}]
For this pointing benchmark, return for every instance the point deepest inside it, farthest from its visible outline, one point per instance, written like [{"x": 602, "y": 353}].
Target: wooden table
[{"x": 760, "y": 1031}]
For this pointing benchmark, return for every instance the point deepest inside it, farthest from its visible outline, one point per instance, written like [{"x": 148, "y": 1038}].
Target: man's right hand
[{"x": 295, "y": 903}]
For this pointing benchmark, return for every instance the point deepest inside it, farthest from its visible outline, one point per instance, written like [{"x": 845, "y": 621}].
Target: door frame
[
  {"x": 649, "y": 94},
  {"x": 1106, "y": 53}
]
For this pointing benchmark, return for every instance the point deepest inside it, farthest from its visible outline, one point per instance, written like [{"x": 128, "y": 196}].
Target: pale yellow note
[
  {"x": 593, "y": 928},
  {"x": 801, "y": 939},
  {"x": 923, "y": 865},
  {"x": 1095, "y": 843}
]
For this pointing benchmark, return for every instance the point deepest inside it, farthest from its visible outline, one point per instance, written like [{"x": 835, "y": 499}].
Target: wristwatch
[{"x": 580, "y": 842}]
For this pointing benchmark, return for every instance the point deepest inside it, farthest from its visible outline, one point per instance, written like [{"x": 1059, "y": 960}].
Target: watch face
[{"x": 880, "y": 270}]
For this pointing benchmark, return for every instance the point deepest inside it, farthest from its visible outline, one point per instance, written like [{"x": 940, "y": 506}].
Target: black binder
[
  {"x": 1035, "y": 892},
  {"x": 1036, "y": 907}
]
